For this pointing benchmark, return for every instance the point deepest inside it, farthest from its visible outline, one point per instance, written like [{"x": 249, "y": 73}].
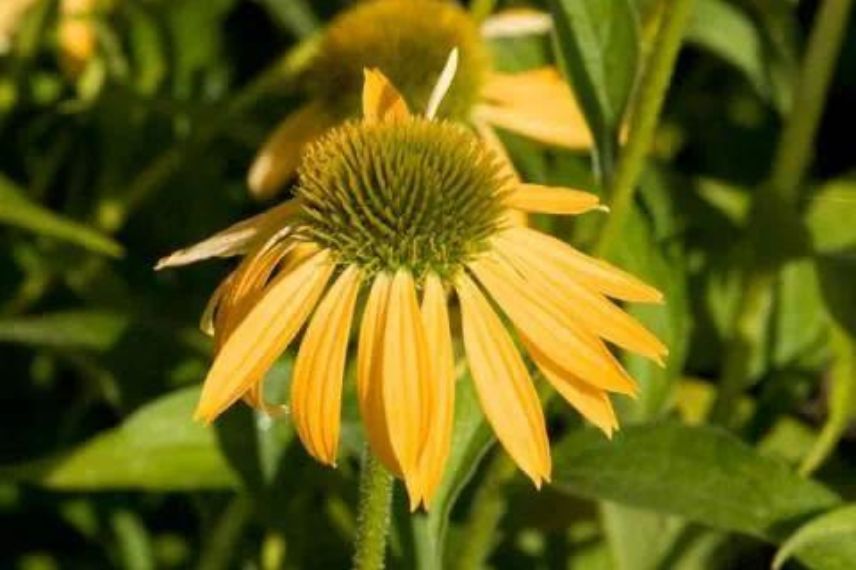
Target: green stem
[
  {"x": 652, "y": 93},
  {"x": 374, "y": 514},
  {"x": 796, "y": 146},
  {"x": 485, "y": 515},
  {"x": 789, "y": 169},
  {"x": 218, "y": 551}
]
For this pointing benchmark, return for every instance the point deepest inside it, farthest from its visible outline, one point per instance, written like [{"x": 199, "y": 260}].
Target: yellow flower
[
  {"x": 409, "y": 40},
  {"x": 394, "y": 206},
  {"x": 76, "y": 34}
]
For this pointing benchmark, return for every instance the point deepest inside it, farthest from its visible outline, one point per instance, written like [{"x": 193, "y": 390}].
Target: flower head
[
  {"x": 407, "y": 213},
  {"x": 409, "y": 40}
]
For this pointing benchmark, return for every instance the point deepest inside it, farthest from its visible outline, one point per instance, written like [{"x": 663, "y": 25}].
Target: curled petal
[{"x": 235, "y": 240}]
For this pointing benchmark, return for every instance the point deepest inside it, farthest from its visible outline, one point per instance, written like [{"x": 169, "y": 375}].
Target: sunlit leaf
[
  {"x": 159, "y": 447},
  {"x": 824, "y": 543},
  {"x": 92, "y": 330}
]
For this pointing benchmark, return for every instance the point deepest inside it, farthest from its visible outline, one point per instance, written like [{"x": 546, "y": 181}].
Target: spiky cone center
[
  {"x": 416, "y": 194},
  {"x": 410, "y": 41}
]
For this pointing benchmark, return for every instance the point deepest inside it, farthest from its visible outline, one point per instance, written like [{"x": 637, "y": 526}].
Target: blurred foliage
[{"x": 110, "y": 161}]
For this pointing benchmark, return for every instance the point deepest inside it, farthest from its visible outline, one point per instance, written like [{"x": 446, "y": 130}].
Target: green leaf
[
  {"x": 91, "y": 330},
  {"x": 729, "y": 33},
  {"x": 830, "y": 216},
  {"x": 295, "y": 15},
  {"x": 599, "y": 47},
  {"x": 16, "y": 209},
  {"x": 702, "y": 474},
  {"x": 158, "y": 448},
  {"x": 824, "y": 543},
  {"x": 470, "y": 441}
]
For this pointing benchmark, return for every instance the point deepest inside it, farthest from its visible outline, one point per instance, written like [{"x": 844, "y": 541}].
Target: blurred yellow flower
[
  {"x": 12, "y": 13},
  {"x": 400, "y": 204},
  {"x": 76, "y": 34},
  {"x": 409, "y": 40}
]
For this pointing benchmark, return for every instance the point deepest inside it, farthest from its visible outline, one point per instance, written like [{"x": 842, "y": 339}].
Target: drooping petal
[
  {"x": 580, "y": 304},
  {"x": 551, "y": 200},
  {"x": 235, "y": 240},
  {"x": 593, "y": 403},
  {"x": 262, "y": 335},
  {"x": 406, "y": 381},
  {"x": 247, "y": 285},
  {"x": 593, "y": 273},
  {"x": 572, "y": 349},
  {"x": 537, "y": 104},
  {"x": 369, "y": 379},
  {"x": 316, "y": 389},
  {"x": 503, "y": 385},
  {"x": 516, "y": 22},
  {"x": 279, "y": 157},
  {"x": 381, "y": 100},
  {"x": 441, "y": 360}
]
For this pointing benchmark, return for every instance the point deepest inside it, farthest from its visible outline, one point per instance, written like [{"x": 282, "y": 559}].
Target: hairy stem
[{"x": 374, "y": 514}]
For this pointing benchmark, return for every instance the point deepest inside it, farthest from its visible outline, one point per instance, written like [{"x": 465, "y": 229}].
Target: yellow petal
[
  {"x": 262, "y": 335},
  {"x": 234, "y": 240},
  {"x": 279, "y": 156},
  {"x": 316, "y": 389},
  {"x": 247, "y": 285},
  {"x": 406, "y": 381},
  {"x": 593, "y": 273},
  {"x": 505, "y": 391},
  {"x": 591, "y": 402},
  {"x": 381, "y": 100},
  {"x": 571, "y": 348},
  {"x": 590, "y": 309},
  {"x": 369, "y": 366},
  {"x": 551, "y": 200},
  {"x": 444, "y": 82},
  {"x": 537, "y": 104},
  {"x": 441, "y": 361}
]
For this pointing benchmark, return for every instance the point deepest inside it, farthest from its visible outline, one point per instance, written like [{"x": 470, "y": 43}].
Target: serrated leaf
[
  {"x": 824, "y": 543},
  {"x": 159, "y": 447},
  {"x": 16, "y": 209},
  {"x": 702, "y": 474}
]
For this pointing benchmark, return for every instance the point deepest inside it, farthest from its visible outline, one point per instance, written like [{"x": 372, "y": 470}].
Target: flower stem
[
  {"x": 374, "y": 513},
  {"x": 652, "y": 93},
  {"x": 790, "y": 165}
]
